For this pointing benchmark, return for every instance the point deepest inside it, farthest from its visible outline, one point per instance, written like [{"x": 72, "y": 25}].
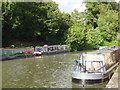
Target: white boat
[{"x": 96, "y": 66}]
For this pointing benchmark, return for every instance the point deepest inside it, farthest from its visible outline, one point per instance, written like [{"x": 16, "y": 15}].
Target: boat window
[{"x": 94, "y": 66}]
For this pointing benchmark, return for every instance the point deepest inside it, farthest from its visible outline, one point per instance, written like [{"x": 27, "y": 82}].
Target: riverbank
[
  {"x": 4, "y": 58},
  {"x": 114, "y": 81}
]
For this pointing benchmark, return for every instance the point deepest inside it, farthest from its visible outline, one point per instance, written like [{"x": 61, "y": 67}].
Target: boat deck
[{"x": 104, "y": 51}]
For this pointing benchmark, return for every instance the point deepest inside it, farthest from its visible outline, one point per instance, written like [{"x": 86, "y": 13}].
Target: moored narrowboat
[
  {"x": 52, "y": 49},
  {"x": 96, "y": 66},
  {"x": 13, "y": 53},
  {"x": 38, "y": 51}
]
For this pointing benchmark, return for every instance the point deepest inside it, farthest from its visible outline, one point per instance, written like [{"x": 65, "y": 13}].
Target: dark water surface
[{"x": 48, "y": 71}]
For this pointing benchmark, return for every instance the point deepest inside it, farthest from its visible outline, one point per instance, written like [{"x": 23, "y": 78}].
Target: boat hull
[
  {"x": 87, "y": 81},
  {"x": 92, "y": 78},
  {"x": 38, "y": 54},
  {"x": 89, "y": 78}
]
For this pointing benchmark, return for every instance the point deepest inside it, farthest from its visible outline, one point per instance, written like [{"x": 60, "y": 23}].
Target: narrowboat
[
  {"x": 96, "y": 66},
  {"x": 38, "y": 51},
  {"x": 13, "y": 53},
  {"x": 52, "y": 49}
]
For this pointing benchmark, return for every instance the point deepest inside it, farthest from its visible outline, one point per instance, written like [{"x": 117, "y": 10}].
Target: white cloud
[
  {"x": 69, "y": 5},
  {"x": 117, "y": 0}
]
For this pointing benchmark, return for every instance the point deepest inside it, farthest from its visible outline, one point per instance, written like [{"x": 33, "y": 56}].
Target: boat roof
[{"x": 104, "y": 51}]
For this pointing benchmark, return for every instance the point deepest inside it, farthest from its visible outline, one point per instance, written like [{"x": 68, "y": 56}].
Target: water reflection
[{"x": 100, "y": 86}]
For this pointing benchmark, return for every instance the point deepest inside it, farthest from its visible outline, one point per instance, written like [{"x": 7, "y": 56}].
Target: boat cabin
[{"x": 98, "y": 60}]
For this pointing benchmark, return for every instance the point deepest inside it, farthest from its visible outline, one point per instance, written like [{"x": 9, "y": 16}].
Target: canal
[{"x": 47, "y": 71}]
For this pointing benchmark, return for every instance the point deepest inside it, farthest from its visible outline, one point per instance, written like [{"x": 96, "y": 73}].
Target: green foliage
[
  {"x": 118, "y": 42},
  {"x": 75, "y": 37},
  {"x": 107, "y": 23},
  {"x": 39, "y": 23},
  {"x": 113, "y": 43},
  {"x": 33, "y": 21},
  {"x": 94, "y": 38},
  {"x": 99, "y": 23}
]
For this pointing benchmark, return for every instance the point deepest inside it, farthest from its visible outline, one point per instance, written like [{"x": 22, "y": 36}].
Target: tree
[
  {"x": 99, "y": 23},
  {"x": 33, "y": 21},
  {"x": 108, "y": 23},
  {"x": 7, "y": 22},
  {"x": 75, "y": 37},
  {"x": 102, "y": 17}
]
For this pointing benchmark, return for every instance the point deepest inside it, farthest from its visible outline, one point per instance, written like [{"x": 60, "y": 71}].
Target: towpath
[{"x": 115, "y": 80}]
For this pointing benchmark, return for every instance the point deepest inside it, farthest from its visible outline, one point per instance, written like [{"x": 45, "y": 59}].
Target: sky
[{"x": 69, "y": 5}]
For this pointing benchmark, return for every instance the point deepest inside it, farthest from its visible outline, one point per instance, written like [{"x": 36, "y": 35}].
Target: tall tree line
[
  {"x": 97, "y": 26},
  {"x": 44, "y": 23},
  {"x": 33, "y": 21}
]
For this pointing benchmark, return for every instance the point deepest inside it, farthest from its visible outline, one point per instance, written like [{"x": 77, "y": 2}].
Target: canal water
[{"x": 47, "y": 71}]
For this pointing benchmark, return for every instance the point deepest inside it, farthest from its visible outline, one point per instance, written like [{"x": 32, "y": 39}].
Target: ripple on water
[
  {"x": 37, "y": 81},
  {"x": 37, "y": 65},
  {"x": 46, "y": 71}
]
